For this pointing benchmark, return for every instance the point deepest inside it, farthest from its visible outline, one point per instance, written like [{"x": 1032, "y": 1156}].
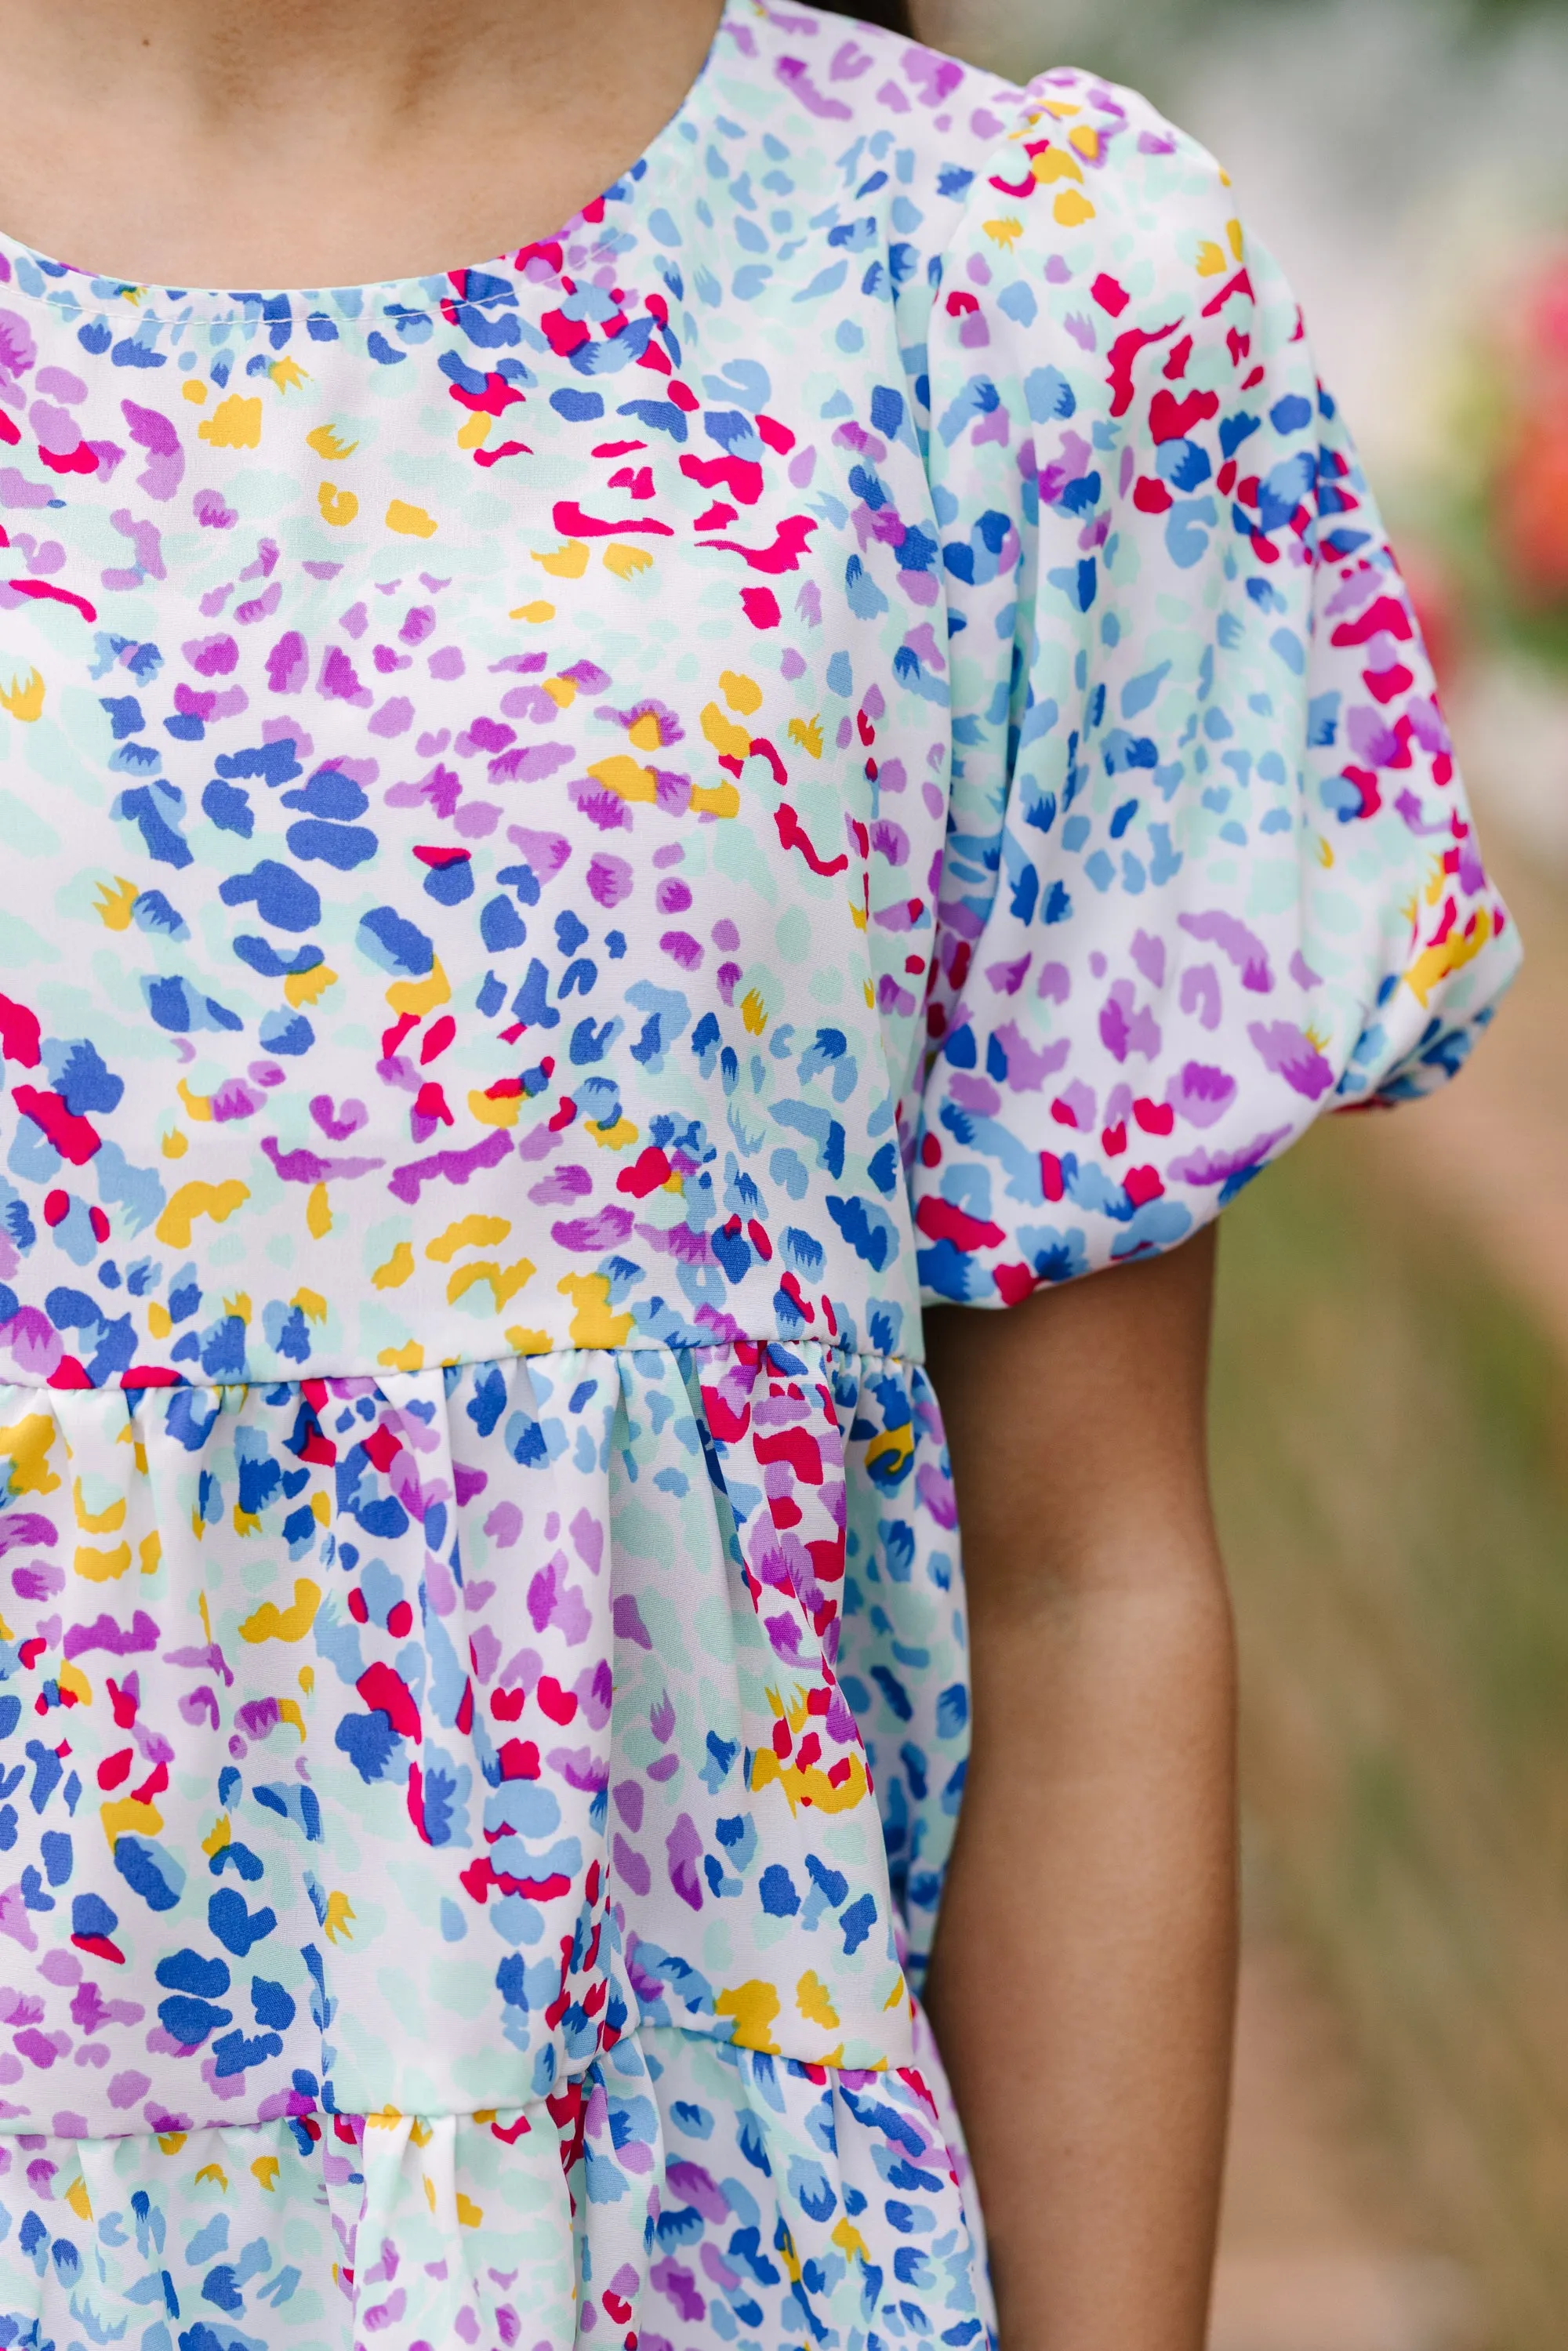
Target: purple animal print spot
[{"x": 1201, "y": 1094}]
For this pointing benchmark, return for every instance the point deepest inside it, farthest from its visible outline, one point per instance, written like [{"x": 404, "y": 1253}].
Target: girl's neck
[{"x": 312, "y": 142}]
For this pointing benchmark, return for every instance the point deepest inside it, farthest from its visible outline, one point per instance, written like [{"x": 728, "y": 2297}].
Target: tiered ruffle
[
  {"x": 514, "y": 1756},
  {"x": 682, "y": 2191}
]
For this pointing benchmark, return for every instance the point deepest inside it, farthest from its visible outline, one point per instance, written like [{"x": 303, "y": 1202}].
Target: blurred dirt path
[{"x": 1319, "y": 2252}]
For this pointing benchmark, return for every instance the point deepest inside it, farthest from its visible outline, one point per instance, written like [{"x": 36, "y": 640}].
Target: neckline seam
[
  {"x": 264, "y": 313},
  {"x": 374, "y": 299}
]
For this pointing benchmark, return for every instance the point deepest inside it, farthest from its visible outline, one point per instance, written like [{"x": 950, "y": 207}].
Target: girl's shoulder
[{"x": 950, "y": 167}]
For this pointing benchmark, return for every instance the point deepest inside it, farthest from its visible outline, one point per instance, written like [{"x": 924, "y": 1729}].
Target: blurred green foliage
[
  {"x": 1141, "y": 40},
  {"x": 1391, "y": 1461}
]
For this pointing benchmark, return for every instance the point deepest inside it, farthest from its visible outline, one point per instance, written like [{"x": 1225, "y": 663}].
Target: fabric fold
[{"x": 683, "y": 2181}]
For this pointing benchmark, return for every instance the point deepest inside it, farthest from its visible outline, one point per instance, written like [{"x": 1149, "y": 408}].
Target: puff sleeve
[{"x": 1209, "y": 869}]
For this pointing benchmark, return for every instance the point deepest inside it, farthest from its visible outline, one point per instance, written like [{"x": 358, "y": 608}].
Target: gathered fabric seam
[{"x": 380, "y": 1374}]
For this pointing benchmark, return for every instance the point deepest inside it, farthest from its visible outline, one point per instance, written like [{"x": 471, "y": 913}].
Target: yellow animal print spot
[
  {"x": 78, "y": 2199},
  {"x": 311, "y": 1304},
  {"x": 198, "y": 1107},
  {"x": 715, "y": 799},
  {"x": 102, "y": 1566},
  {"x": 265, "y": 2168},
  {"x": 270, "y": 1623},
  {"x": 218, "y": 1201},
  {"x": 327, "y": 444},
  {"x": 128, "y": 1814},
  {"x": 339, "y": 1911},
  {"x": 754, "y": 2005},
  {"x": 530, "y": 1343},
  {"x": 1072, "y": 208},
  {"x": 567, "y": 562},
  {"x": 398, "y": 1268},
  {"x": 287, "y": 374},
  {"x": 619, "y": 1137},
  {"x": 811, "y": 1786},
  {"x": 27, "y": 1444},
  {"x": 741, "y": 693},
  {"x": 808, "y": 734},
  {"x": 891, "y": 1453},
  {"x": 305, "y": 986},
  {"x": 107, "y": 1521},
  {"x": 753, "y": 1012},
  {"x": 475, "y": 432},
  {"x": 74, "y": 1683},
  {"x": 170, "y": 2142},
  {"x": 412, "y": 522},
  {"x": 730, "y": 741},
  {"x": 24, "y": 698},
  {"x": 537, "y": 613},
  {"x": 404, "y": 1358},
  {"x": 469, "y": 2214},
  {"x": 1436, "y": 964},
  {"x": 1005, "y": 233},
  {"x": 626, "y": 778},
  {"x": 114, "y": 905},
  {"x": 175, "y": 1145},
  {"x": 338, "y": 506},
  {"x": 849, "y": 2241},
  {"x": 195, "y": 391},
  {"x": 469, "y": 1232},
  {"x": 220, "y": 1834},
  {"x": 421, "y": 996},
  {"x": 214, "y": 2174},
  {"x": 593, "y": 1323},
  {"x": 494, "y": 1110},
  {"x": 319, "y": 1213},
  {"x": 505, "y": 1281},
  {"x": 234, "y": 423},
  {"x": 1234, "y": 232},
  {"x": 151, "y": 1550},
  {"x": 1087, "y": 138},
  {"x": 625, "y": 561},
  {"x": 1211, "y": 261},
  {"x": 1056, "y": 163},
  {"x": 562, "y": 690},
  {"x": 811, "y": 2000}
]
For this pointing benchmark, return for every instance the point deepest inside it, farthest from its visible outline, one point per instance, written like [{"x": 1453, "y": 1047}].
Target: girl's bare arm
[{"x": 1084, "y": 1975}]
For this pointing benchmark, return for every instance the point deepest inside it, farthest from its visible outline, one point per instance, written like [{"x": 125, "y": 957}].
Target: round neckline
[{"x": 38, "y": 276}]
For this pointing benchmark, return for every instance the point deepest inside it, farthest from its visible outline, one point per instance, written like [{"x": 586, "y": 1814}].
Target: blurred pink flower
[{"x": 1533, "y": 490}]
